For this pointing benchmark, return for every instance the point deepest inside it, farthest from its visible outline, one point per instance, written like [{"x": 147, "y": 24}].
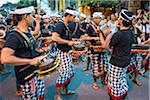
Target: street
[{"x": 81, "y": 83}]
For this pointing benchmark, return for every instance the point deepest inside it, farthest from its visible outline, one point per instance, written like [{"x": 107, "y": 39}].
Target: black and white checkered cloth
[
  {"x": 117, "y": 84},
  {"x": 66, "y": 71},
  {"x": 103, "y": 57},
  {"x": 100, "y": 62},
  {"x": 136, "y": 61},
  {"x": 33, "y": 89}
]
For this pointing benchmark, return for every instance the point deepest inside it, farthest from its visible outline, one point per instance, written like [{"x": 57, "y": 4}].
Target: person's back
[{"x": 121, "y": 47}]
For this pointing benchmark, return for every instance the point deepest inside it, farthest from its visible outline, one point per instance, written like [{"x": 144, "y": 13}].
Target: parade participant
[
  {"x": 94, "y": 34},
  {"x": 83, "y": 27},
  {"x": 62, "y": 35},
  {"x": 121, "y": 42},
  {"x": 20, "y": 51},
  {"x": 46, "y": 29},
  {"x": 83, "y": 23},
  {"x": 136, "y": 58}
]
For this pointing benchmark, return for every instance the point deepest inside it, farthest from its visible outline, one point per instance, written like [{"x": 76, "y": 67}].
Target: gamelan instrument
[
  {"x": 79, "y": 48},
  {"x": 49, "y": 63},
  {"x": 140, "y": 48}
]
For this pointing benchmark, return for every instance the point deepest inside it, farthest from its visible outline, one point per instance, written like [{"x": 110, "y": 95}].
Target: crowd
[{"x": 22, "y": 31}]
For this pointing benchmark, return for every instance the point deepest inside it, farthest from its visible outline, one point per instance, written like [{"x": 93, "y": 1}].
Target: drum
[
  {"x": 140, "y": 48},
  {"x": 78, "y": 49},
  {"x": 97, "y": 48},
  {"x": 49, "y": 63}
]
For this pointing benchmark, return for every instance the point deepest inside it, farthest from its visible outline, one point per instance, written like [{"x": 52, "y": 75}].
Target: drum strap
[
  {"x": 24, "y": 36},
  {"x": 75, "y": 30}
]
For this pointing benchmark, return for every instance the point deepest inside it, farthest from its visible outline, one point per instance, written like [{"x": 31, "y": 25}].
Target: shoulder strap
[
  {"x": 23, "y": 35},
  {"x": 75, "y": 30}
]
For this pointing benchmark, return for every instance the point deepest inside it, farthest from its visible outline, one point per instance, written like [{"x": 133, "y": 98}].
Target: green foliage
[
  {"x": 100, "y": 2},
  {"x": 27, "y": 2}
]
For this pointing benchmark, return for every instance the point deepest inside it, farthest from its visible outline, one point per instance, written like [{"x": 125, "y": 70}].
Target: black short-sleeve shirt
[
  {"x": 22, "y": 50},
  {"x": 64, "y": 33},
  {"x": 121, "y": 42},
  {"x": 75, "y": 31},
  {"x": 90, "y": 31},
  {"x": 83, "y": 26}
]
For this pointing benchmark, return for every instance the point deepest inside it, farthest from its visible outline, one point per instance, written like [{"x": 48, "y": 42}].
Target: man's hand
[
  {"x": 96, "y": 38},
  {"x": 38, "y": 18},
  {"x": 35, "y": 61},
  {"x": 71, "y": 43}
]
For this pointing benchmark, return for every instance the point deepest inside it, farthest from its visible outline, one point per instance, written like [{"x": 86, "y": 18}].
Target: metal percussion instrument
[
  {"x": 48, "y": 64},
  {"x": 79, "y": 45},
  {"x": 140, "y": 48}
]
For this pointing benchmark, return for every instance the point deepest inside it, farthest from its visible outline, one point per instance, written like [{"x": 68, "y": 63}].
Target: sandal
[
  {"x": 138, "y": 83},
  {"x": 18, "y": 93},
  {"x": 69, "y": 92},
  {"x": 57, "y": 97},
  {"x": 95, "y": 86}
]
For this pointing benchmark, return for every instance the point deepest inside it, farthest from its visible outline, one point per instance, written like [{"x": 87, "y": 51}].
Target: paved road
[{"x": 81, "y": 83}]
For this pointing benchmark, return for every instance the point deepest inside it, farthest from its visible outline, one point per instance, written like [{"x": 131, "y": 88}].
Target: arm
[
  {"x": 7, "y": 57},
  {"x": 107, "y": 41},
  {"x": 37, "y": 27},
  {"x": 56, "y": 38}
]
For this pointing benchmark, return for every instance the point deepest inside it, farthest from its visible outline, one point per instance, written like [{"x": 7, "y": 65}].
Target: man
[
  {"x": 62, "y": 35},
  {"x": 20, "y": 51},
  {"x": 96, "y": 38},
  {"x": 46, "y": 28},
  {"x": 121, "y": 42},
  {"x": 83, "y": 23}
]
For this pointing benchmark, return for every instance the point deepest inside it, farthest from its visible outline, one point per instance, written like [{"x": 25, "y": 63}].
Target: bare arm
[
  {"x": 7, "y": 57},
  {"x": 106, "y": 30},
  {"x": 86, "y": 37},
  {"x": 37, "y": 27},
  {"x": 56, "y": 38},
  {"x": 107, "y": 41}
]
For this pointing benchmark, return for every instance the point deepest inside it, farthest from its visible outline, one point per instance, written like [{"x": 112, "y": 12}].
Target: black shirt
[
  {"x": 22, "y": 50},
  {"x": 91, "y": 32},
  {"x": 45, "y": 31},
  {"x": 75, "y": 29},
  {"x": 83, "y": 26},
  {"x": 121, "y": 42},
  {"x": 64, "y": 33}
]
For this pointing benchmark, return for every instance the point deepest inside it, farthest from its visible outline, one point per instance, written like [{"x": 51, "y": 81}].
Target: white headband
[
  {"x": 97, "y": 14},
  {"x": 26, "y": 10},
  {"x": 46, "y": 16},
  {"x": 72, "y": 12},
  {"x": 83, "y": 15},
  {"x": 123, "y": 12}
]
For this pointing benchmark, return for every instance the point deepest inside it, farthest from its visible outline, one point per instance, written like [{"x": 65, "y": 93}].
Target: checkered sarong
[
  {"x": 135, "y": 62},
  {"x": 117, "y": 84},
  {"x": 99, "y": 62},
  {"x": 33, "y": 89},
  {"x": 66, "y": 71},
  {"x": 104, "y": 61}
]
